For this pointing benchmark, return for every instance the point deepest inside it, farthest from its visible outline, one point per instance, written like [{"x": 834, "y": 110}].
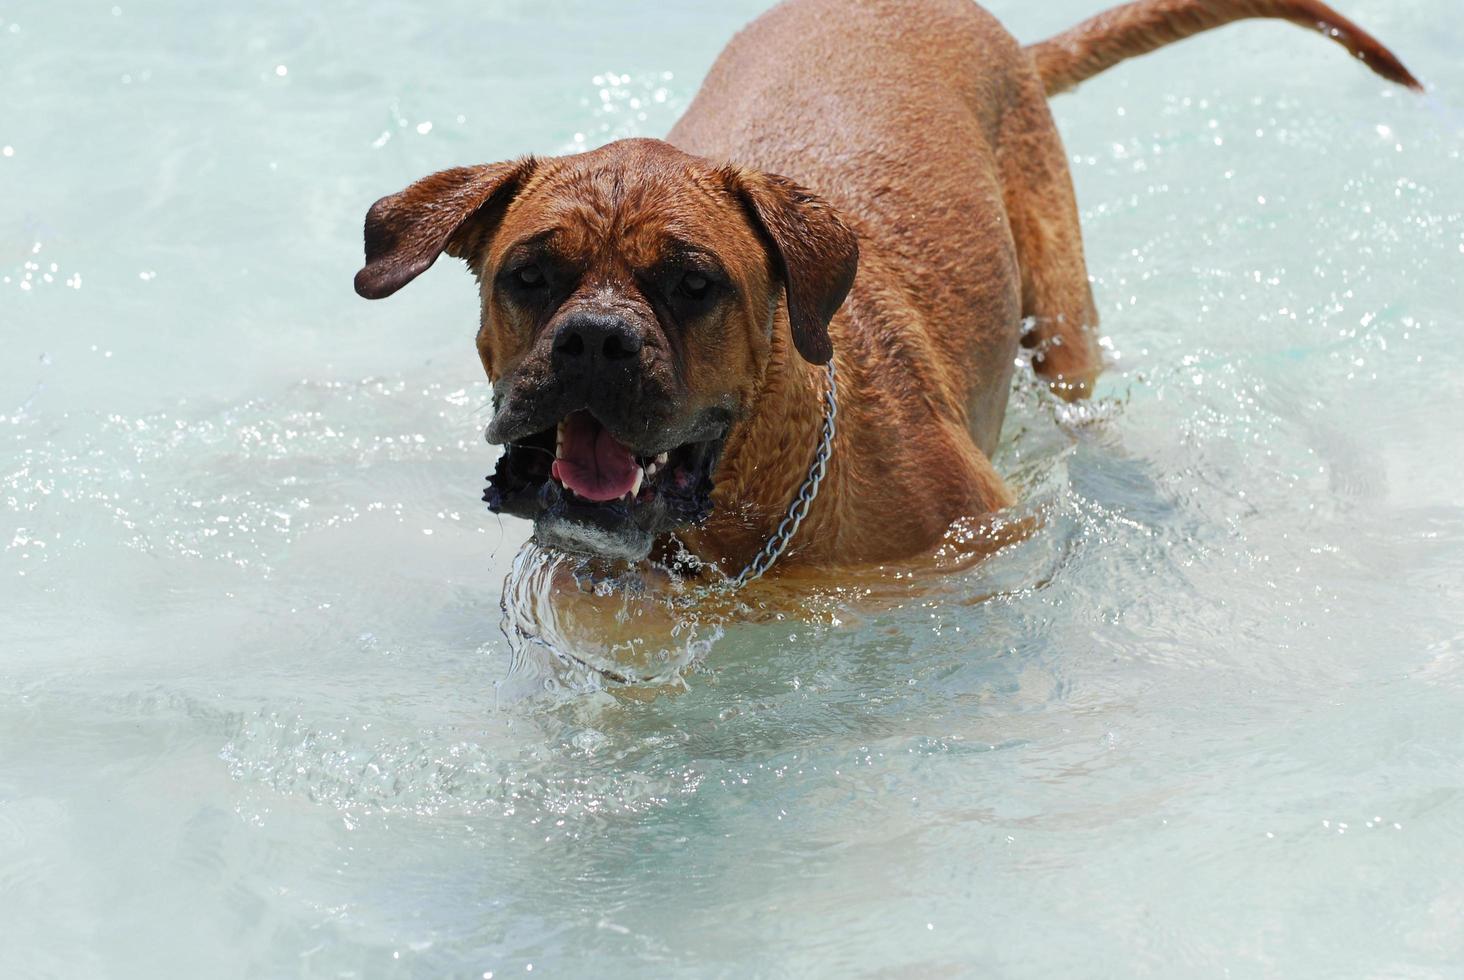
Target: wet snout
[
  {"x": 597, "y": 354},
  {"x": 604, "y": 358}
]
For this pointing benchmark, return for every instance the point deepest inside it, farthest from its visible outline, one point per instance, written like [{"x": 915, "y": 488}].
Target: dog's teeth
[
  {"x": 559, "y": 442},
  {"x": 640, "y": 475},
  {"x": 661, "y": 459},
  {"x": 650, "y": 470}
]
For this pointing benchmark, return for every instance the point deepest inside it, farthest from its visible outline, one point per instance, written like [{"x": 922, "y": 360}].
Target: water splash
[{"x": 570, "y": 627}]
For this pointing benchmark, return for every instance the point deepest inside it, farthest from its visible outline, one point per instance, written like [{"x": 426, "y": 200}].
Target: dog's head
[{"x": 629, "y": 298}]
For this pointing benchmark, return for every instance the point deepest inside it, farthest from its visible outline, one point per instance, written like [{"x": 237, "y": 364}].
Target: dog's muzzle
[{"x": 589, "y": 492}]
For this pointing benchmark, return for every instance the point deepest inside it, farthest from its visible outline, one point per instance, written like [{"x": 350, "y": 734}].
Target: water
[{"x": 257, "y": 714}]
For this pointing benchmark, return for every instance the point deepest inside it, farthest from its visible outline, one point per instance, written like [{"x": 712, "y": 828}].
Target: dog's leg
[{"x": 1043, "y": 212}]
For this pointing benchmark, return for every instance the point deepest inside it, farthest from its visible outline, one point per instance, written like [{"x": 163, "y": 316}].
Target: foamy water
[{"x": 260, "y": 714}]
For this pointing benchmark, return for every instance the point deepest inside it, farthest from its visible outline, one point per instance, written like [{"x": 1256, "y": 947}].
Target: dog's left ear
[
  {"x": 813, "y": 252},
  {"x": 407, "y": 231}
]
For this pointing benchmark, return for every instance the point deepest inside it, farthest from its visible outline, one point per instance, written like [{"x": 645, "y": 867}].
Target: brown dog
[{"x": 654, "y": 313}]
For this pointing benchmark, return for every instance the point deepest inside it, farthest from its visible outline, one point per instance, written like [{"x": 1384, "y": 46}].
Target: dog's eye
[
  {"x": 529, "y": 277},
  {"x": 695, "y": 285}
]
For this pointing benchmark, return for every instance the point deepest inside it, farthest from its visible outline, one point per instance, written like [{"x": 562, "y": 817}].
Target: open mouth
[
  {"x": 593, "y": 465},
  {"x": 591, "y": 493}
]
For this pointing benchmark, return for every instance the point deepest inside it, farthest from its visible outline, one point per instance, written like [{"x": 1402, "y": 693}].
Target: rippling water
[{"x": 259, "y": 715}]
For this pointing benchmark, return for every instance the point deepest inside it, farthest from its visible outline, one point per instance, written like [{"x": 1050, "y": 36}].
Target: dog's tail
[{"x": 1125, "y": 32}]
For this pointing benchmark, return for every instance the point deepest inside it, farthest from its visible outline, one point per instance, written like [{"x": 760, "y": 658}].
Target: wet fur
[{"x": 925, "y": 130}]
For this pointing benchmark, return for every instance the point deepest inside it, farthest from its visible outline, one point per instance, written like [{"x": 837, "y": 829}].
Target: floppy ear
[
  {"x": 405, "y": 232},
  {"x": 813, "y": 251}
]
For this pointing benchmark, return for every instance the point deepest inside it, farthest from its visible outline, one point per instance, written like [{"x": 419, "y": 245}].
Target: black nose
[{"x": 586, "y": 340}]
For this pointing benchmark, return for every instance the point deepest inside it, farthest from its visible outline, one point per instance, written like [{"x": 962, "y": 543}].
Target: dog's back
[
  {"x": 927, "y": 125},
  {"x": 897, "y": 120}
]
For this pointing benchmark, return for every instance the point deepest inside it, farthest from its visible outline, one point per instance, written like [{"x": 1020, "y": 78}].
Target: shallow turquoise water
[{"x": 257, "y": 717}]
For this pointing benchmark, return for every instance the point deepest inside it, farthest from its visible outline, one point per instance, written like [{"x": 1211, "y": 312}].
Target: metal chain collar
[{"x": 798, "y": 509}]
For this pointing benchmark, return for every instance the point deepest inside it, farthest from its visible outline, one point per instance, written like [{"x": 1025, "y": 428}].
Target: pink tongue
[{"x": 592, "y": 462}]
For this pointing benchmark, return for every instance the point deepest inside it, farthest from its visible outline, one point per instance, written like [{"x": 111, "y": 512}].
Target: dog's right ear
[{"x": 407, "y": 231}]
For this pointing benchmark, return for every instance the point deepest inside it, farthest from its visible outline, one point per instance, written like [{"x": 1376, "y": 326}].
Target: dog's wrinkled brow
[
  {"x": 530, "y": 246},
  {"x": 679, "y": 250}
]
